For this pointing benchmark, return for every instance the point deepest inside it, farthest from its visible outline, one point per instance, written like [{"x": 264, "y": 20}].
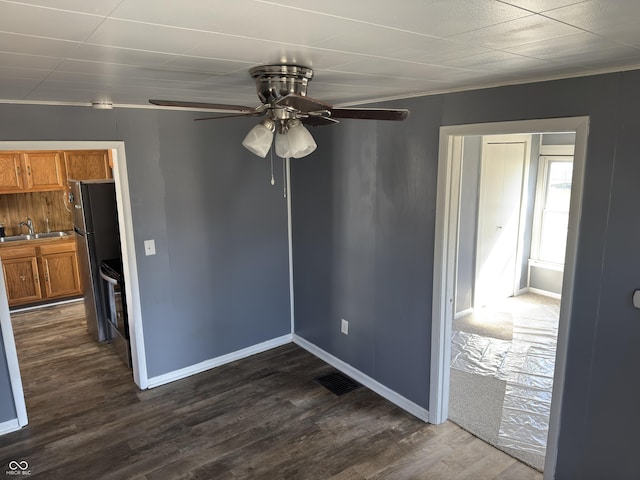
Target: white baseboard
[
  {"x": 463, "y": 313},
  {"x": 9, "y": 426},
  {"x": 364, "y": 379},
  {"x": 545, "y": 293},
  {"x": 218, "y": 361}
]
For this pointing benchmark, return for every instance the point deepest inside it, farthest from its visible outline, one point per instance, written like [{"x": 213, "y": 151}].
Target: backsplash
[{"x": 39, "y": 206}]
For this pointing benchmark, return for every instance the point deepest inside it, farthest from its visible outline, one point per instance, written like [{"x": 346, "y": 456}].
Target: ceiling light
[
  {"x": 102, "y": 105},
  {"x": 301, "y": 142},
  {"x": 283, "y": 148},
  {"x": 293, "y": 140},
  {"x": 259, "y": 138}
]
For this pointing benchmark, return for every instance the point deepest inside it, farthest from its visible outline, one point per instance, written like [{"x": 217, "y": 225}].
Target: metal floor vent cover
[{"x": 338, "y": 383}]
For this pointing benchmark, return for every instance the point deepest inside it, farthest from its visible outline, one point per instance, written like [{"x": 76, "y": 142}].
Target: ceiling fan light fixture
[
  {"x": 301, "y": 141},
  {"x": 283, "y": 145},
  {"x": 259, "y": 139}
]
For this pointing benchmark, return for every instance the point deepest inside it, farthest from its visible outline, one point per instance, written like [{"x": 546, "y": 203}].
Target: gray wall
[
  {"x": 7, "y": 406},
  {"x": 363, "y": 213},
  {"x": 546, "y": 279},
  {"x": 467, "y": 236},
  {"x": 219, "y": 281},
  {"x": 363, "y": 229}
]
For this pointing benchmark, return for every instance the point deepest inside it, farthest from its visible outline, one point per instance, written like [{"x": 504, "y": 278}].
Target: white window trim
[{"x": 539, "y": 203}]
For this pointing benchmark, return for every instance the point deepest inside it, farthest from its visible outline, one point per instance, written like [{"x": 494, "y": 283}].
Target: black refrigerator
[{"x": 95, "y": 220}]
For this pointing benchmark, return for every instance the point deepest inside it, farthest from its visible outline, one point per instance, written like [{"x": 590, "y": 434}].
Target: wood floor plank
[{"x": 262, "y": 417}]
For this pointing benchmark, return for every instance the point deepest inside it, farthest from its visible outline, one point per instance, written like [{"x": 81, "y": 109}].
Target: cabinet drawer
[
  {"x": 17, "y": 252},
  {"x": 58, "y": 247}
]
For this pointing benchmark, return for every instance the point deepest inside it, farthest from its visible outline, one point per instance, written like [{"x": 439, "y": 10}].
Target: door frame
[
  {"x": 127, "y": 244},
  {"x": 444, "y": 268}
]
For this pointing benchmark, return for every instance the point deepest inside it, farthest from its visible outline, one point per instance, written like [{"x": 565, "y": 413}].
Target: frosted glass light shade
[
  {"x": 283, "y": 145},
  {"x": 258, "y": 140},
  {"x": 301, "y": 142}
]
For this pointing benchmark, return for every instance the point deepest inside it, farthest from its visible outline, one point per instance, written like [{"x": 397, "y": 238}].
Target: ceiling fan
[{"x": 282, "y": 89}]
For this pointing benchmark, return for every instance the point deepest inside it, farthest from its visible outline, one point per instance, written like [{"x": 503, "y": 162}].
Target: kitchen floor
[{"x": 263, "y": 417}]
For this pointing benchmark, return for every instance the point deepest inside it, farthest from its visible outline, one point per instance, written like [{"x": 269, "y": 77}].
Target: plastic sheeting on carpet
[{"x": 527, "y": 365}]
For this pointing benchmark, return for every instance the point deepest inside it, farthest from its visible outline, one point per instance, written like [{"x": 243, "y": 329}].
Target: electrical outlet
[
  {"x": 149, "y": 247},
  {"x": 344, "y": 327}
]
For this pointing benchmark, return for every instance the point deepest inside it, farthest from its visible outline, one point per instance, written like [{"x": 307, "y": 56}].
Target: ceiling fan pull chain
[
  {"x": 284, "y": 177},
  {"x": 273, "y": 181}
]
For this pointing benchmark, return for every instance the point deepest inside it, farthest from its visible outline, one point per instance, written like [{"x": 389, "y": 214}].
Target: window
[{"x": 552, "y": 209}]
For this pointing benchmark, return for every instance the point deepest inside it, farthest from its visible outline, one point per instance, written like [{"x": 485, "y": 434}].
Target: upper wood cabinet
[
  {"x": 87, "y": 164},
  {"x": 44, "y": 171},
  {"x": 11, "y": 172},
  {"x": 31, "y": 172}
]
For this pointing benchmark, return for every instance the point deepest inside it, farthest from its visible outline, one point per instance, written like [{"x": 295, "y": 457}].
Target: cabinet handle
[
  {"x": 23, "y": 278},
  {"x": 37, "y": 279},
  {"x": 29, "y": 170},
  {"x": 18, "y": 170},
  {"x": 46, "y": 277}
]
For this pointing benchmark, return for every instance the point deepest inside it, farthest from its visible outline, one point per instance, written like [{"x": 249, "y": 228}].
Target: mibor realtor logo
[{"x": 17, "y": 467}]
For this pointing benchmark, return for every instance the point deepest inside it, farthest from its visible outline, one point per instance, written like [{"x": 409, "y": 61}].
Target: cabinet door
[
  {"x": 44, "y": 171},
  {"x": 21, "y": 280},
  {"x": 87, "y": 164},
  {"x": 61, "y": 277},
  {"x": 10, "y": 172}
]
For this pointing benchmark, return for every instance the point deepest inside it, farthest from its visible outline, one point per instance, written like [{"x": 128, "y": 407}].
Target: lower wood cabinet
[
  {"x": 59, "y": 267},
  {"x": 22, "y": 280},
  {"x": 48, "y": 270}
]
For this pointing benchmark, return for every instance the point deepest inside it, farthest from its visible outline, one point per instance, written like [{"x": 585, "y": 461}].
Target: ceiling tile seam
[
  {"x": 373, "y": 100},
  {"x": 468, "y": 88},
  {"x": 44, "y": 7},
  {"x": 507, "y": 2},
  {"x": 389, "y": 27},
  {"x": 174, "y": 56},
  {"x": 584, "y": 29},
  {"x": 41, "y": 37}
]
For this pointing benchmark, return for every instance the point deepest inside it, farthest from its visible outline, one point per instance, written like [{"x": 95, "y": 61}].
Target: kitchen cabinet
[
  {"x": 31, "y": 172},
  {"x": 87, "y": 164},
  {"x": 11, "y": 172},
  {"x": 39, "y": 270},
  {"x": 21, "y": 277},
  {"x": 59, "y": 267}
]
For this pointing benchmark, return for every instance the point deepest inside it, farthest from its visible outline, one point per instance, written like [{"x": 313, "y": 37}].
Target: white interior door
[{"x": 501, "y": 181}]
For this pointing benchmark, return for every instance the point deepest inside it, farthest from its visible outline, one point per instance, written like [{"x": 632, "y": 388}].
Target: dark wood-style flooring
[{"x": 262, "y": 417}]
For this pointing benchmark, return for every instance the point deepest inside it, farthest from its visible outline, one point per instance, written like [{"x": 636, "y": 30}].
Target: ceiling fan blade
[
  {"x": 232, "y": 115},
  {"x": 370, "y": 113},
  {"x": 210, "y": 106},
  {"x": 317, "y": 121},
  {"x": 302, "y": 103}
]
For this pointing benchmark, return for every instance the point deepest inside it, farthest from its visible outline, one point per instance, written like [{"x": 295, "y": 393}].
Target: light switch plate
[
  {"x": 149, "y": 247},
  {"x": 636, "y": 299}
]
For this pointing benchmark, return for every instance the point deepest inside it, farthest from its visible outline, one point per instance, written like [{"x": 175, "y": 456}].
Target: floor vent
[{"x": 338, "y": 383}]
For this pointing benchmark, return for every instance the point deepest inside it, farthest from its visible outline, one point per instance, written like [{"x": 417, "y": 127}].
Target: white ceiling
[{"x": 127, "y": 51}]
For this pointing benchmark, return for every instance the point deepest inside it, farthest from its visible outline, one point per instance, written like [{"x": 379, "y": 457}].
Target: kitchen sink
[
  {"x": 17, "y": 238},
  {"x": 50, "y": 235}
]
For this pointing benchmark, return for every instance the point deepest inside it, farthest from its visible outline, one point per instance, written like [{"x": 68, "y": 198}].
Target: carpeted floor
[{"x": 501, "y": 373}]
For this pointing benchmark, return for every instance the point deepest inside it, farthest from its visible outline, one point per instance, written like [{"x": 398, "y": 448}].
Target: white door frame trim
[
  {"x": 127, "y": 241},
  {"x": 445, "y": 253},
  {"x": 12, "y": 357}
]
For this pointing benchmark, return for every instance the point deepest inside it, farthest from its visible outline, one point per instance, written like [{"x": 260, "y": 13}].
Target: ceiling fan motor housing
[{"x": 276, "y": 81}]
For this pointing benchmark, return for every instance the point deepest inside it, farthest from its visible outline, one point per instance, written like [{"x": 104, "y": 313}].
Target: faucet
[{"x": 29, "y": 225}]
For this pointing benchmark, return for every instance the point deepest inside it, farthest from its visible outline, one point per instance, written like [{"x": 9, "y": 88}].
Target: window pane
[
  {"x": 559, "y": 186},
  {"x": 553, "y": 240}
]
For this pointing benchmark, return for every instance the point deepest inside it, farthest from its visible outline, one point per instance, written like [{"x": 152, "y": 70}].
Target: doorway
[
  {"x": 446, "y": 285},
  {"x": 129, "y": 266}
]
